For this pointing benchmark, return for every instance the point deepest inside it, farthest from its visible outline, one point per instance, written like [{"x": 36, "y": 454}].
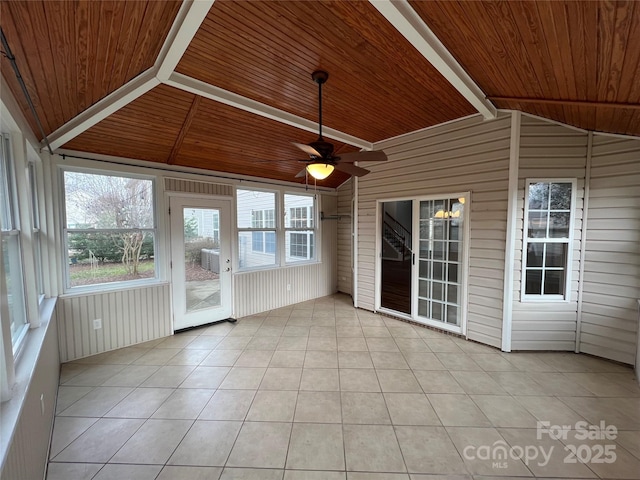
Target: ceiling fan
[{"x": 322, "y": 161}]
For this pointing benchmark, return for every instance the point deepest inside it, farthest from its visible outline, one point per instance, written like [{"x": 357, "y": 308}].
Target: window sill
[
  {"x": 11, "y": 409},
  {"x": 277, "y": 267},
  {"x": 105, "y": 287}
]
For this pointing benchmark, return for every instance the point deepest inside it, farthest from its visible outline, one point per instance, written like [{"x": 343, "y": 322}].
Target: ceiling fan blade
[
  {"x": 351, "y": 169},
  {"x": 308, "y": 149},
  {"x": 367, "y": 156},
  {"x": 302, "y": 173}
]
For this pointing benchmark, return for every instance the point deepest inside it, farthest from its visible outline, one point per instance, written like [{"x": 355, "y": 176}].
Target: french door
[
  {"x": 200, "y": 261},
  {"x": 422, "y": 260}
]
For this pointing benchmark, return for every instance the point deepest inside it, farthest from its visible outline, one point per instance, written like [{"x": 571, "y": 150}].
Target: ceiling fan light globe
[{"x": 320, "y": 171}]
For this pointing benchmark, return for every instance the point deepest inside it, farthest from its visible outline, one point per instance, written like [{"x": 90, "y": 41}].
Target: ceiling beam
[
  {"x": 105, "y": 107},
  {"x": 185, "y": 26},
  {"x": 218, "y": 94},
  {"x": 184, "y": 130},
  {"x": 405, "y": 19},
  {"x": 191, "y": 14}
]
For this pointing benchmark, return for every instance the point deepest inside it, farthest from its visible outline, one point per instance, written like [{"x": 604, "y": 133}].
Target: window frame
[
  {"x": 13, "y": 233},
  {"x": 280, "y": 231},
  {"x": 117, "y": 285},
  {"x": 36, "y": 227},
  {"x": 311, "y": 232},
  {"x": 568, "y": 241}
]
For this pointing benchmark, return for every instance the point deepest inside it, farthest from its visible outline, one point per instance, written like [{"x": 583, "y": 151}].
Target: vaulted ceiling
[{"x": 226, "y": 85}]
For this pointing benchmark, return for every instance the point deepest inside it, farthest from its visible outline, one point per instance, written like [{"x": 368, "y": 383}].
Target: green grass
[{"x": 81, "y": 274}]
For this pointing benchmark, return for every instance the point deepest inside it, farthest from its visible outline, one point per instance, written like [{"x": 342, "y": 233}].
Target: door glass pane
[
  {"x": 202, "y": 258},
  {"x": 441, "y": 242},
  {"x": 397, "y": 250}
]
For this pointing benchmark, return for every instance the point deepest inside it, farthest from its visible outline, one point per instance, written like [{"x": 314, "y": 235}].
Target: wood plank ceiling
[{"x": 572, "y": 61}]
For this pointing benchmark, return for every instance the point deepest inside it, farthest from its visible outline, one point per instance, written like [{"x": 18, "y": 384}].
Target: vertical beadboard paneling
[
  {"x": 467, "y": 155},
  {"x": 128, "y": 317},
  {"x": 29, "y": 447},
  {"x": 611, "y": 289},
  {"x": 263, "y": 290},
  {"x": 345, "y": 276},
  {"x": 548, "y": 151},
  {"x": 192, "y": 186}
]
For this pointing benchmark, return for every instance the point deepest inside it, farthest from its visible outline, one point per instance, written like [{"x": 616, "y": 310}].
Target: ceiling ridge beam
[
  {"x": 185, "y": 26},
  {"x": 189, "y": 18},
  {"x": 184, "y": 130},
  {"x": 218, "y": 94},
  {"x": 411, "y": 26}
]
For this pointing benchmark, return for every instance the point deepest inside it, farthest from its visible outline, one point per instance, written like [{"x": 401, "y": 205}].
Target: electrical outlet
[
  {"x": 288, "y": 287},
  {"x": 97, "y": 324}
]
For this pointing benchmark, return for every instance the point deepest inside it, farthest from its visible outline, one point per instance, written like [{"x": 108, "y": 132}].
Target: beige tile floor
[{"x": 322, "y": 391}]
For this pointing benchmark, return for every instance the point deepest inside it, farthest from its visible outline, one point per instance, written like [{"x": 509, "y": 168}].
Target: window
[
  {"x": 261, "y": 229},
  {"x": 35, "y": 225},
  {"x": 257, "y": 228},
  {"x": 547, "y": 234},
  {"x": 12, "y": 281},
  {"x": 263, "y": 241},
  {"x": 299, "y": 227},
  {"x": 109, "y": 228}
]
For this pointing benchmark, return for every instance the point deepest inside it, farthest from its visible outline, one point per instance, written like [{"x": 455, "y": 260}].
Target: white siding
[
  {"x": 548, "y": 151},
  {"x": 263, "y": 290},
  {"x": 609, "y": 320},
  {"x": 345, "y": 276},
  {"x": 466, "y": 155},
  {"x": 128, "y": 317}
]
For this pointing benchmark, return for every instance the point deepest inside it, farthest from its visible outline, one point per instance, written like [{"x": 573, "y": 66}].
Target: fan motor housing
[{"x": 323, "y": 148}]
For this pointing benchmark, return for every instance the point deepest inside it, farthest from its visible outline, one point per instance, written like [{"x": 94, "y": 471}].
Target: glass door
[
  {"x": 440, "y": 262},
  {"x": 200, "y": 261},
  {"x": 422, "y": 260},
  {"x": 396, "y": 258}
]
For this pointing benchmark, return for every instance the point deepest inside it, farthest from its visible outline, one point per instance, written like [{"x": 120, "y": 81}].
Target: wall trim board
[
  {"x": 583, "y": 241},
  {"x": 512, "y": 204}
]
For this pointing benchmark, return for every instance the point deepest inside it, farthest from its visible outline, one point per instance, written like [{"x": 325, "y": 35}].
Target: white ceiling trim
[
  {"x": 189, "y": 18},
  {"x": 218, "y": 94},
  {"x": 185, "y": 26},
  {"x": 105, "y": 107},
  {"x": 405, "y": 19}
]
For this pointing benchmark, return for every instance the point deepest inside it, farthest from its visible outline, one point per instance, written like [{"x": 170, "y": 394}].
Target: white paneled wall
[
  {"x": 611, "y": 288},
  {"x": 345, "y": 276},
  {"x": 263, "y": 290},
  {"x": 29, "y": 446},
  {"x": 128, "y": 317},
  {"x": 548, "y": 151},
  {"x": 466, "y": 155}
]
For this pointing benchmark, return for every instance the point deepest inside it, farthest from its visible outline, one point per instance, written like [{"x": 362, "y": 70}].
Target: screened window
[
  {"x": 12, "y": 281},
  {"x": 548, "y": 220},
  {"x": 299, "y": 227},
  {"x": 35, "y": 225},
  {"x": 257, "y": 228},
  {"x": 109, "y": 228}
]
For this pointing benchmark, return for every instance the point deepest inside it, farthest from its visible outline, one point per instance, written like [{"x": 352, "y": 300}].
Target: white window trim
[
  {"x": 13, "y": 344},
  {"x": 280, "y": 230},
  {"x": 111, "y": 286},
  {"x": 524, "y": 298},
  {"x": 237, "y": 229},
  {"x": 315, "y": 229}
]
